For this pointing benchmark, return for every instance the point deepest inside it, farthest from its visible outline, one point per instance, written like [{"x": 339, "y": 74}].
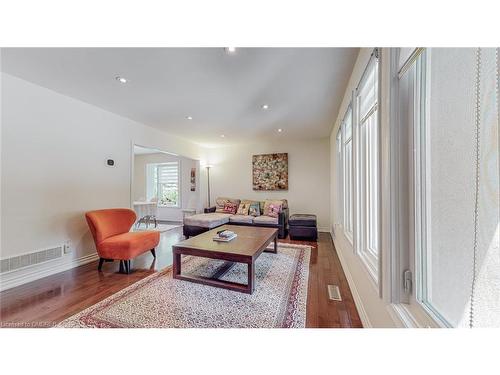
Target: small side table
[{"x": 188, "y": 212}]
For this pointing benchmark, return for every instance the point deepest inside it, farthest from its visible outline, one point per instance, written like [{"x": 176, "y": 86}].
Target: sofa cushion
[
  {"x": 209, "y": 221},
  {"x": 220, "y": 202},
  {"x": 247, "y": 219},
  {"x": 265, "y": 220},
  {"x": 230, "y": 208},
  {"x": 243, "y": 208},
  {"x": 274, "y": 210},
  {"x": 285, "y": 204},
  {"x": 304, "y": 220},
  {"x": 128, "y": 245},
  {"x": 254, "y": 209},
  {"x": 269, "y": 202}
]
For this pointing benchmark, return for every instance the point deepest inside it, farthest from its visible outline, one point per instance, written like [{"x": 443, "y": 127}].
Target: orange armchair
[{"x": 110, "y": 229}]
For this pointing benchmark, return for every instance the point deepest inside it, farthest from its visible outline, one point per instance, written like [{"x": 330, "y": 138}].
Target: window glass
[
  {"x": 448, "y": 167},
  {"x": 368, "y": 153}
]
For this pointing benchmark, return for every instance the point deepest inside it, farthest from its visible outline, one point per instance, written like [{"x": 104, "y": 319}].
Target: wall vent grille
[{"x": 31, "y": 259}]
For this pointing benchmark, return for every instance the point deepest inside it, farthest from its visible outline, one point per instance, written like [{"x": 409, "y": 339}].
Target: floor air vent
[
  {"x": 31, "y": 259},
  {"x": 334, "y": 293}
]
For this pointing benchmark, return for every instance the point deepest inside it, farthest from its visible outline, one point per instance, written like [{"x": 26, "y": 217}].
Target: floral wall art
[{"x": 270, "y": 171}]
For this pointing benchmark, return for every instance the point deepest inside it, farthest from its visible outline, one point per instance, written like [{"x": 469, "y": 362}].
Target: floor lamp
[{"x": 208, "y": 182}]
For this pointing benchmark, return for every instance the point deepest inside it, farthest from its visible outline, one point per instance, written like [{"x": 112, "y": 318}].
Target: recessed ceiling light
[
  {"x": 121, "y": 79},
  {"x": 230, "y": 49},
  {"x": 265, "y": 106},
  {"x": 280, "y": 130},
  {"x": 222, "y": 135},
  {"x": 189, "y": 118}
]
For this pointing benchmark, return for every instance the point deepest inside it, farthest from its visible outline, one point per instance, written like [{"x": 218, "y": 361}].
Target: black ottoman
[{"x": 303, "y": 227}]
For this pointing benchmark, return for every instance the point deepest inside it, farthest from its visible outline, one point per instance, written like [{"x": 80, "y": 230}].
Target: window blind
[
  {"x": 168, "y": 183},
  {"x": 407, "y": 57},
  {"x": 462, "y": 221},
  {"x": 367, "y": 91},
  {"x": 168, "y": 174}
]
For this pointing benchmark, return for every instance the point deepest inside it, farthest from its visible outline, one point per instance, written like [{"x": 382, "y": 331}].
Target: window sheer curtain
[{"x": 462, "y": 258}]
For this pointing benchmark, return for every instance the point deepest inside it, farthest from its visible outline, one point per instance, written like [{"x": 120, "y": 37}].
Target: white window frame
[
  {"x": 422, "y": 188},
  {"x": 338, "y": 219},
  {"x": 364, "y": 195},
  {"x": 348, "y": 177},
  {"x": 404, "y": 241},
  {"x": 157, "y": 188}
]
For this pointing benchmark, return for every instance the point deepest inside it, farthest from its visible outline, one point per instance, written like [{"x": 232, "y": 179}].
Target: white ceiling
[{"x": 223, "y": 93}]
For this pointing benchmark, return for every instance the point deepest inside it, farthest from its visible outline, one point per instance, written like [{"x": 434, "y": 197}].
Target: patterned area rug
[{"x": 159, "y": 301}]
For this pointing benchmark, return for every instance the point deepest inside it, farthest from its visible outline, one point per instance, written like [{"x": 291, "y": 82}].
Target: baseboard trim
[
  {"x": 169, "y": 222},
  {"x": 324, "y": 229},
  {"x": 354, "y": 291},
  {"x": 19, "y": 277}
]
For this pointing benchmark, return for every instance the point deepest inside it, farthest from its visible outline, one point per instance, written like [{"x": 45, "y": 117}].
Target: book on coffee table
[{"x": 225, "y": 236}]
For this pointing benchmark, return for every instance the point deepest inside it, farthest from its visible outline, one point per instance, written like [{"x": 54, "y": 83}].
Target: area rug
[{"x": 159, "y": 301}]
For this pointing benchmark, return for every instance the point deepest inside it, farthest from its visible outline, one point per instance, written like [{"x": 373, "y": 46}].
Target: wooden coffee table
[{"x": 246, "y": 248}]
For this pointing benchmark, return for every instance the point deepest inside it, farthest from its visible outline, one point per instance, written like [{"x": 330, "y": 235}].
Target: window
[
  {"x": 457, "y": 236},
  {"x": 453, "y": 223},
  {"x": 368, "y": 167},
  {"x": 338, "y": 182},
  {"x": 347, "y": 174},
  {"x": 163, "y": 183}
]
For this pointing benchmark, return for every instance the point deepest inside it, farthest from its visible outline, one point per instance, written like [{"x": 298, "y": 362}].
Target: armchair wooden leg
[
  {"x": 101, "y": 261},
  {"x": 125, "y": 267},
  {"x": 153, "y": 252}
]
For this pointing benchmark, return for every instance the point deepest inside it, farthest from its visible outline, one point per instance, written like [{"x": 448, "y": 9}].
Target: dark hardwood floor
[{"x": 52, "y": 299}]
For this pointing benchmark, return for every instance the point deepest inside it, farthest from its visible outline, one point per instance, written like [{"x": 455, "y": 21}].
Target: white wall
[
  {"x": 373, "y": 309},
  {"x": 189, "y": 199},
  {"x": 308, "y": 175},
  {"x": 53, "y": 166}
]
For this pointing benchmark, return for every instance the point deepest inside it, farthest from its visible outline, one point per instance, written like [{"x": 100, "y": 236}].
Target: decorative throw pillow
[
  {"x": 220, "y": 203},
  {"x": 254, "y": 209},
  {"x": 230, "y": 208},
  {"x": 274, "y": 210},
  {"x": 243, "y": 208},
  {"x": 268, "y": 202},
  {"x": 285, "y": 204}
]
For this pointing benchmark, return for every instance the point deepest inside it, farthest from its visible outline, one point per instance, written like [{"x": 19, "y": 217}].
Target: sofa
[{"x": 268, "y": 213}]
